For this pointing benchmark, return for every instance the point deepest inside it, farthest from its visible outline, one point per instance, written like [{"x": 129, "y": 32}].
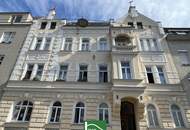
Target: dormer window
[
  {"x": 131, "y": 24},
  {"x": 43, "y": 25},
  {"x": 53, "y": 25},
  {"x": 16, "y": 18},
  {"x": 139, "y": 25}
]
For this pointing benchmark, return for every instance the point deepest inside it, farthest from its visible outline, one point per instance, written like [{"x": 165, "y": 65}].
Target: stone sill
[
  {"x": 53, "y": 125},
  {"x": 16, "y": 124}
]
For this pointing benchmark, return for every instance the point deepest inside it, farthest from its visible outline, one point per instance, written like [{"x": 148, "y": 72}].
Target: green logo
[{"x": 95, "y": 125}]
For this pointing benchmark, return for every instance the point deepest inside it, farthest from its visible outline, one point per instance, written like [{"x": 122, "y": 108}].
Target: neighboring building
[
  {"x": 179, "y": 43},
  {"x": 72, "y": 71},
  {"x": 13, "y": 31}
]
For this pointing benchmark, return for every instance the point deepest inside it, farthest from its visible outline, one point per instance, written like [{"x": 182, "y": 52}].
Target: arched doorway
[{"x": 127, "y": 115}]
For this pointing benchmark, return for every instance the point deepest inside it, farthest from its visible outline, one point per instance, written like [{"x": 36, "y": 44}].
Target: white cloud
[{"x": 169, "y": 12}]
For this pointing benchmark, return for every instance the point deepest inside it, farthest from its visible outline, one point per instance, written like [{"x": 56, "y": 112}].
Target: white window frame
[
  {"x": 25, "y": 112},
  {"x": 103, "y": 72},
  {"x": 182, "y": 114},
  {"x": 9, "y": 38},
  {"x": 86, "y": 45},
  {"x": 83, "y": 72},
  {"x": 126, "y": 68},
  {"x": 63, "y": 72},
  {"x": 162, "y": 74},
  {"x": 13, "y": 18},
  {"x": 47, "y": 38},
  {"x": 152, "y": 115},
  {"x": 104, "y": 43},
  {"x": 149, "y": 44},
  {"x": 74, "y": 110},
  {"x": 104, "y": 109},
  {"x": 41, "y": 44},
  {"x": 50, "y": 112},
  {"x": 68, "y": 45},
  {"x": 39, "y": 70}
]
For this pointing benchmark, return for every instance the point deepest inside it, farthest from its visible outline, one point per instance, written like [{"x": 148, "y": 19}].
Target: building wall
[{"x": 11, "y": 51}]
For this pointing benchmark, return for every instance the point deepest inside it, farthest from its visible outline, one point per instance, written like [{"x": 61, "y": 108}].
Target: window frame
[
  {"x": 104, "y": 43},
  {"x": 21, "y": 106},
  {"x": 182, "y": 115},
  {"x": 45, "y": 44},
  {"x": 187, "y": 56},
  {"x": 74, "y": 112},
  {"x": 14, "y": 18},
  {"x": 87, "y": 70},
  {"x": 40, "y": 44},
  {"x": 108, "y": 110},
  {"x": 67, "y": 46},
  {"x": 99, "y": 71},
  {"x": 157, "y": 116},
  {"x": 10, "y": 37},
  {"x": 45, "y": 26},
  {"x": 50, "y": 112},
  {"x": 163, "y": 73},
  {"x": 54, "y": 26},
  {"x": 86, "y": 45},
  {"x": 126, "y": 68},
  {"x": 63, "y": 71}
]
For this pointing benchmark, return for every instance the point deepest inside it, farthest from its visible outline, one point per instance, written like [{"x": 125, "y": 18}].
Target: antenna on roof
[{"x": 131, "y": 2}]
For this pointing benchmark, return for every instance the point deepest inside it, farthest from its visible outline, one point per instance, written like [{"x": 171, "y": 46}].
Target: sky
[{"x": 171, "y": 13}]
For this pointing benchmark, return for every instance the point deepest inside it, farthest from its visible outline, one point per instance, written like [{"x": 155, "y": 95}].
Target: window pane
[
  {"x": 101, "y": 114},
  {"x": 16, "y": 112},
  {"x": 175, "y": 119},
  {"x": 58, "y": 114},
  {"x": 106, "y": 116},
  {"x": 82, "y": 115},
  {"x": 76, "y": 115},
  {"x": 53, "y": 114},
  {"x": 21, "y": 114},
  {"x": 181, "y": 119},
  {"x": 155, "y": 118},
  {"x": 150, "y": 118},
  {"x": 28, "y": 114}
]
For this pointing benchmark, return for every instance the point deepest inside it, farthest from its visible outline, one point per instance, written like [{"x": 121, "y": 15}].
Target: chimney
[
  {"x": 132, "y": 11},
  {"x": 51, "y": 14}
]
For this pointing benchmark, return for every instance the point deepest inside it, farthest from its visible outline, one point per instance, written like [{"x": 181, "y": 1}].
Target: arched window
[
  {"x": 79, "y": 113},
  {"x": 103, "y": 111},
  {"x": 152, "y": 116},
  {"x": 22, "y": 111},
  {"x": 177, "y": 116},
  {"x": 55, "y": 112}
]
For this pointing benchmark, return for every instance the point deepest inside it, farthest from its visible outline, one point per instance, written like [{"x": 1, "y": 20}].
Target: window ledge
[
  {"x": 52, "y": 125},
  {"x": 16, "y": 124}
]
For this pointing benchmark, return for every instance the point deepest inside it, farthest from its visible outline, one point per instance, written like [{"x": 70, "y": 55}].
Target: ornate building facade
[{"x": 119, "y": 71}]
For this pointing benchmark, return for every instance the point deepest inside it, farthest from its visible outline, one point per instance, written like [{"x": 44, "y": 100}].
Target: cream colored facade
[
  {"x": 9, "y": 50},
  {"x": 130, "y": 53},
  {"x": 178, "y": 40}
]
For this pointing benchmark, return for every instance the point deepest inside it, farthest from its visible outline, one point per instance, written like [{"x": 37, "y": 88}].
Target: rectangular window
[
  {"x": 39, "y": 72},
  {"x": 68, "y": 44},
  {"x": 83, "y": 73},
  {"x": 1, "y": 59},
  {"x": 38, "y": 43},
  {"x": 29, "y": 71},
  {"x": 148, "y": 44},
  {"x": 131, "y": 24},
  {"x": 63, "y": 72},
  {"x": 43, "y": 25},
  {"x": 53, "y": 25},
  {"x": 139, "y": 25},
  {"x": 103, "y": 44},
  {"x": 126, "y": 71},
  {"x": 155, "y": 44},
  {"x": 184, "y": 57},
  {"x": 161, "y": 75},
  {"x": 16, "y": 18},
  {"x": 7, "y": 37},
  {"x": 103, "y": 73},
  {"x": 142, "y": 45},
  {"x": 85, "y": 44},
  {"x": 47, "y": 43},
  {"x": 149, "y": 75}
]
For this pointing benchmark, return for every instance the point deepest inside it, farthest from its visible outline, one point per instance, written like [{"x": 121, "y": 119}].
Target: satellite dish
[{"x": 82, "y": 22}]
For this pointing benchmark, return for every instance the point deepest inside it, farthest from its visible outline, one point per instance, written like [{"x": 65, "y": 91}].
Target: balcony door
[{"x": 127, "y": 115}]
